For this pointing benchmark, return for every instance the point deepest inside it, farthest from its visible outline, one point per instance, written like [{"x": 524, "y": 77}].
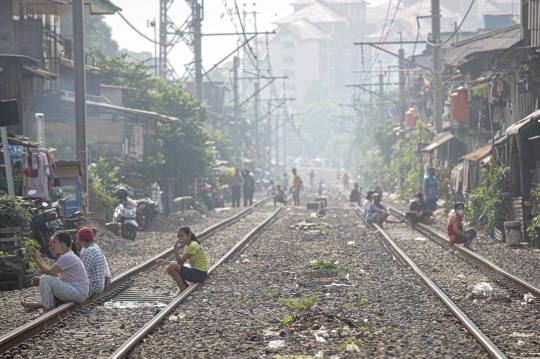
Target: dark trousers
[
  {"x": 236, "y": 196},
  {"x": 248, "y": 197}
]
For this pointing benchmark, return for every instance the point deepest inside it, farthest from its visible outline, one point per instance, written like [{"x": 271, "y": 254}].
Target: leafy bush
[
  {"x": 28, "y": 244},
  {"x": 103, "y": 180},
  {"x": 492, "y": 198},
  {"x": 12, "y": 214},
  {"x": 535, "y": 222},
  {"x": 322, "y": 264}
]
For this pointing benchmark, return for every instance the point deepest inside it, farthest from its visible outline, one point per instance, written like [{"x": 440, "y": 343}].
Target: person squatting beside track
[
  {"x": 94, "y": 261},
  {"x": 456, "y": 234},
  {"x": 194, "y": 253},
  {"x": 66, "y": 279}
]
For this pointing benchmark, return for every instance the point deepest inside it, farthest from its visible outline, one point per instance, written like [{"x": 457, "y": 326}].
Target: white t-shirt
[
  {"x": 366, "y": 204},
  {"x": 73, "y": 272}
]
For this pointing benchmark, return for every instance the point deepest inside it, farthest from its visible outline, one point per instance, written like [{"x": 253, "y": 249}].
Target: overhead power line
[
  {"x": 453, "y": 34},
  {"x": 145, "y": 36}
]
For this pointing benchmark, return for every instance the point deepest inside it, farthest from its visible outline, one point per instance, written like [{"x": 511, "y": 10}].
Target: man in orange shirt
[
  {"x": 297, "y": 182},
  {"x": 346, "y": 181}
]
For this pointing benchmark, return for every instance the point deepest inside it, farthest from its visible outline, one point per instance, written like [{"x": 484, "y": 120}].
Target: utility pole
[
  {"x": 163, "y": 22},
  {"x": 236, "y": 112},
  {"x": 277, "y": 144},
  {"x": 154, "y": 25},
  {"x": 80, "y": 91},
  {"x": 381, "y": 93},
  {"x": 285, "y": 142},
  {"x": 436, "y": 38},
  {"x": 257, "y": 87},
  {"x": 197, "y": 37},
  {"x": 402, "y": 108},
  {"x": 269, "y": 135}
]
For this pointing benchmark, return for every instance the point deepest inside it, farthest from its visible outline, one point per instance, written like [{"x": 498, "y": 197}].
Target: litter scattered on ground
[
  {"x": 353, "y": 348},
  {"x": 529, "y": 298},
  {"x": 132, "y": 305},
  {"x": 483, "y": 288},
  {"x": 421, "y": 239},
  {"x": 340, "y": 285},
  {"x": 276, "y": 344},
  {"x": 461, "y": 276},
  {"x": 246, "y": 261},
  {"x": 351, "y": 243},
  {"x": 521, "y": 335}
]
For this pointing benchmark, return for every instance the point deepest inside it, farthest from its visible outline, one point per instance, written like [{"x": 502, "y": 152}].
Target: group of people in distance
[
  {"x": 420, "y": 210},
  {"x": 243, "y": 181},
  {"x": 280, "y": 191},
  {"x": 73, "y": 277}
]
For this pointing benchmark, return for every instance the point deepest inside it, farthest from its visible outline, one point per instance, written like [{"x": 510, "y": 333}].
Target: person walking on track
[
  {"x": 236, "y": 187},
  {"x": 249, "y": 188},
  {"x": 297, "y": 183},
  {"x": 194, "y": 253}
]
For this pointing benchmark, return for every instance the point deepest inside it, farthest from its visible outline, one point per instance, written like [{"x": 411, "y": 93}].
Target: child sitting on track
[{"x": 192, "y": 252}]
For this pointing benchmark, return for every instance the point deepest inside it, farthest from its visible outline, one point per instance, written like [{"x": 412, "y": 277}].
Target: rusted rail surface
[
  {"x": 476, "y": 258},
  {"x": 490, "y": 347},
  {"x": 10, "y": 342}
]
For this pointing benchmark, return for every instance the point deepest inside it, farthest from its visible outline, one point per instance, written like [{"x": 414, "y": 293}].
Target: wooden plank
[
  {"x": 11, "y": 239},
  {"x": 10, "y": 248},
  {"x": 10, "y": 230}
]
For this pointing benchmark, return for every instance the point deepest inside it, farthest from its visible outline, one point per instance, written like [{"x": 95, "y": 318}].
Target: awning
[
  {"x": 129, "y": 111},
  {"x": 439, "y": 140},
  {"x": 39, "y": 72},
  {"x": 478, "y": 154},
  {"x": 516, "y": 127}
]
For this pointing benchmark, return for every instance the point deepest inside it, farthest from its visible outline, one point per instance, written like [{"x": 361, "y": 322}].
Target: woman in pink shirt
[{"x": 66, "y": 279}]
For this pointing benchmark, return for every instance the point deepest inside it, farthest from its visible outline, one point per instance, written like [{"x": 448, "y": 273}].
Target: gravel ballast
[
  {"x": 381, "y": 309},
  {"x": 102, "y": 329},
  {"x": 121, "y": 255},
  {"x": 511, "y": 325}
]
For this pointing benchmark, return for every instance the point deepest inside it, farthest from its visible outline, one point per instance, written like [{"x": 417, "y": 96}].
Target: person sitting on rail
[
  {"x": 281, "y": 195},
  {"x": 194, "y": 253},
  {"x": 367, "y": 202},
  {"x": 66, "y": 279},
  {"x": 271, "y": 190},
  {"x": 94, "y": 261},
  {"x": 456, "y": 234},
  {"x": 378, "y": 213},
  {"x": 355, "y": 194},
  {"x": 419, "y": 211}
]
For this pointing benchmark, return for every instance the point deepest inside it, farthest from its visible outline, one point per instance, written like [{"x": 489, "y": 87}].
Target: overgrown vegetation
[
  {"x": 28, "y": 244},
  {"x": 362, "y": 302},
  {"x": 300, "y": 304},
  {"x": 492, "y": 198},
  {"x": 534, "y": 225},
  {"x": 247, "y": 303},
  {"x": 102, "y": 182},
  {"x": 323, "y": 264},
  {"x": 12, "y": 214}
]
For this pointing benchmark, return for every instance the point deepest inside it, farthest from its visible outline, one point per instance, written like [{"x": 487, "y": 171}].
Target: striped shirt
[{"x": 96, "y": 267}]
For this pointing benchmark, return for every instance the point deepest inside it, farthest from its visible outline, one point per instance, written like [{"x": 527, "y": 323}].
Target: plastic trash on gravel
[
  {"x": 276, "y": 344},
  {"x": 420, "y": 239},
  {"x": 483, "y": 288},
  {"x": 319, "y": 339},
  {"x": 529, "y": 298},
  {"x": 340, "y": 285},
  {"x": 132, "y": 305}
]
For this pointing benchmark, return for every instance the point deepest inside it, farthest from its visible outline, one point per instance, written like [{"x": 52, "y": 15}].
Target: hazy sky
[{"x": 214, "y": 48}]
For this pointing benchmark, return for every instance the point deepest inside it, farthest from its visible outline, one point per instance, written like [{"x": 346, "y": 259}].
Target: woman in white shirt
[
  {"x": 367, "y": 202},
  {"x": 66, "y": 279}
]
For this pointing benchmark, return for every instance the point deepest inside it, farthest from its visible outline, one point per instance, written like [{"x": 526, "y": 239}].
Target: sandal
[{"x": 30, "y": 307}]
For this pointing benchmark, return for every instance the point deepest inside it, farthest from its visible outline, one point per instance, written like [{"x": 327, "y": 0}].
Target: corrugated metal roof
[
  {"x": 439, "y": 140},
  {"x": 515, "y": 128},
  {"x": 499, "y": 39},
  {"x": 478, "y": 154}
]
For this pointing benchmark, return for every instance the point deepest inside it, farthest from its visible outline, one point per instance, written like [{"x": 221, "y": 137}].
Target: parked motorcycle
[
  {"x": 44, "y": 224},
  {"x": 125, "y": 214},
  {"x": 147, "y": 211}
]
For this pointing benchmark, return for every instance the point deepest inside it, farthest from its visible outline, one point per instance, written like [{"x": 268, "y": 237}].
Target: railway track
[
  {"x": 494, "y": 320},
  {"x": 515, "y": 284},
  {"x": 23, "y": 337}
]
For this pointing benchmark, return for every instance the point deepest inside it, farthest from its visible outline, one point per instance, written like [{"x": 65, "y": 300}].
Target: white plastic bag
[
  {"x": 276, "y": 344},
  {"x": 483, "y": 288}
]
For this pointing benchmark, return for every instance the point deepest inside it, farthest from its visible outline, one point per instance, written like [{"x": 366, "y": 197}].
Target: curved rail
[
  {"x": 40, "y": 324},
  {"x": 491, "y": 348},
  {"x": 124, "y": 350},
  {"x": 478, "y": 259}
]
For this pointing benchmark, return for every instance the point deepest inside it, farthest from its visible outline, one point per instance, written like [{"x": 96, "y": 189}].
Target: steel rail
[
  {"x": 124, "y": 349},
  {"x": 30, "y": 330},
  {"x": 491, "y": 348},
  {"x": 478, "y": 259}
]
